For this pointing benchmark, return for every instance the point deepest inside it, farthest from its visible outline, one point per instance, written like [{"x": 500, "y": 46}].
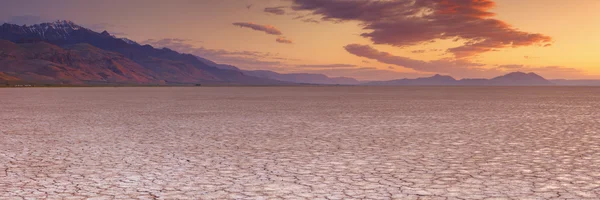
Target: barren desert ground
[{"x": 300, "y": 143}]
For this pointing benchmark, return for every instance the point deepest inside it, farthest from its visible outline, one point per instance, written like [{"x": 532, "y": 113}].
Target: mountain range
[
  {"x": 63, "y": 52},
  {"x": 306, "y": 78},
  {"x": 514, "y": 78}
]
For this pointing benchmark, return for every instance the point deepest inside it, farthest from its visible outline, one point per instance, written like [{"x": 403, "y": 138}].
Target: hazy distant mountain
[
  {"x": 576, "y": 82},
  {"x": 306, "y": 78},
  {"x": 515, "y": 78},
  {"x": 434, "y": 80},
  {"x": 57, "y": 42},
  {"x": 302, "y": 78},
  {"x": 220, "y": 66},
  {"x": 520, "y": 78}
]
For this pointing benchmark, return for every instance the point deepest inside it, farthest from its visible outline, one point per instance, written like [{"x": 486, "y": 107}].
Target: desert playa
[{"x": 300, "y": 143}]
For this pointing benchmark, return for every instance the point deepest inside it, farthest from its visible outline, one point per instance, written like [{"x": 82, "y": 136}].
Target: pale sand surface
[{"x": 300, "y": 143}]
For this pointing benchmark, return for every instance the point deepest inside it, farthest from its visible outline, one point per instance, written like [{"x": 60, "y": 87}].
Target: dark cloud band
[{"x": 410, "y": 22}]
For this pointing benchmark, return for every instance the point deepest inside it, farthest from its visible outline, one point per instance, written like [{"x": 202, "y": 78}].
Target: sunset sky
[{"x": 367, "y": 40}]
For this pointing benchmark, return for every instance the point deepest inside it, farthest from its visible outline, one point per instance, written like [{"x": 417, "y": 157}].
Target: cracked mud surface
[{"x": 300, "y": 143}]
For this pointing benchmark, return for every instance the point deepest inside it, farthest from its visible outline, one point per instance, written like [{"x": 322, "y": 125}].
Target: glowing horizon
[{"x": 367, "y": 40}]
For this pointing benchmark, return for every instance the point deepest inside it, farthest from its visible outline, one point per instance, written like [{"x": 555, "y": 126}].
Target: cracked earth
[{"x": 300, "y": 143}]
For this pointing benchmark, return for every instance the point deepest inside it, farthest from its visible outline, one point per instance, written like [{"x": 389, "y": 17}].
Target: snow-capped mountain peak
[
  {"x": 61, "y": 25},
  {"x": 128, "y": 41},
  {"x": 50, "y": 30}
]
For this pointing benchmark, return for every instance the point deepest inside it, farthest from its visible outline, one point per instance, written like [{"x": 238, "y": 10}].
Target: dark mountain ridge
[{"x": 157, "y": 65}]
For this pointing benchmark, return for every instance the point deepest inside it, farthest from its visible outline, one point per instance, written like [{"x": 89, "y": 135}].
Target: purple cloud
[
  {"x": 436, "y": 66},
  {"x": 257, "y": 27},
  {"x": 275, "y": 10}
]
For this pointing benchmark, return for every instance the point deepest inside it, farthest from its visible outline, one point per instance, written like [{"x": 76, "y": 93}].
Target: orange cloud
[
  {"x": 283, "y": 40},
  {"x": 408, "y": 22}
]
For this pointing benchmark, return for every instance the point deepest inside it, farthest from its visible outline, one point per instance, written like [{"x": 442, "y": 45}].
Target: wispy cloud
[
  {"x": 457, "y": 68},
  {"x": 311, "y": 21},
  {"x": 257, "y": 27},
  {"x": 253, "y": 60},
  {"x": 329, "y": 66},
  {"x": 419, "y": 51},
  {"x": 244, "y": 59},
  {"x": 304, "y": 18},
  {"x": 275, "y": 10}
]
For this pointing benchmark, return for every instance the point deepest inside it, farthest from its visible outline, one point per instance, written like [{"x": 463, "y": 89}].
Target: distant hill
[
  {"x": 520, "y": 78},
  {"x": 434, "y": 80},
  {"x": 515, "y": 78},
  {"x": 302, "y": 78},
  {"x": 564, "y": 82},
  {"x": 306, "y": 78},
  {"x": 65, "y": 53},
  {"x": 220, "y": 66}
]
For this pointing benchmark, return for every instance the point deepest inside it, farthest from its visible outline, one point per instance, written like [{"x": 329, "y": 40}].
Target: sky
[{"x": 363, "y": 39}]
